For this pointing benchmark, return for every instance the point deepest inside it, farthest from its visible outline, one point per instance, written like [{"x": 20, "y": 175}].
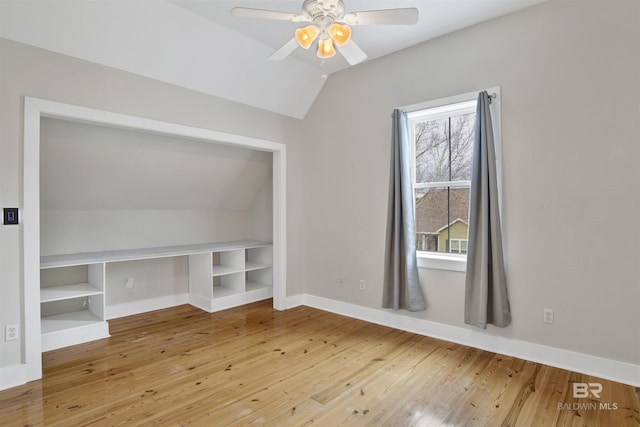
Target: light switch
[{"x": 10, "y": 216}]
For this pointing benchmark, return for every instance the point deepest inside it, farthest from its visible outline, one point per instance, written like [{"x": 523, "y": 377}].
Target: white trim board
[
  {"x": 142, "y": 306},
  {"x": 614, "y": 370},
  {"x": 12, "y": 376},
  {"x": 34, "y": 110}
]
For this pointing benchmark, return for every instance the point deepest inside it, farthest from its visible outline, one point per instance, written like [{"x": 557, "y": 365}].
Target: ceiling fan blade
[
  {"x": 244, "y": 12},
  {"x": 352, "y": 53},
  {"x": 407, "y": 16},
  {"x": 285, "y": 50}
]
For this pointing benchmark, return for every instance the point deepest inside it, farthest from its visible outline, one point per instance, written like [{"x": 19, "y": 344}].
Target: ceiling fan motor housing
[{"x": 323, "y": 11}]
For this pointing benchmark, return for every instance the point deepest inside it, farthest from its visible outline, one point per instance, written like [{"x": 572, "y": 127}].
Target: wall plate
[{"x": 10, "y": 216}]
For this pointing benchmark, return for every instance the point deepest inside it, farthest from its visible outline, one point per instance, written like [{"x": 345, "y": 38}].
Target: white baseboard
[
  {"x": 230, "y": 301},
  {"x": 614, "y": 370},
  {"x": 142, "y": 306},
  {"x": 74, "y": 336},
  {"x": 13, "y": 376},
  {"x": 200, "y": 302},
  {"x": 295, "y": 300}
]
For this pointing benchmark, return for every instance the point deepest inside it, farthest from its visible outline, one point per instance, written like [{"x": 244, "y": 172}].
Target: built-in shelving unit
[
  {"x": 72, "y": 287},
  {"x": 72, "y": 305},
  {"x": 231, "y": 276}
]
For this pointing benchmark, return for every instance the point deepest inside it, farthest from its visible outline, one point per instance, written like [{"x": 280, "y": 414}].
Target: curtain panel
[
  {"x": 401, "y": 287},
  {"x": 486, "y": 299}
]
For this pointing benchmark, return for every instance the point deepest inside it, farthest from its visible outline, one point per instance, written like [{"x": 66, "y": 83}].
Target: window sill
[{"x": 442, "y": 261}]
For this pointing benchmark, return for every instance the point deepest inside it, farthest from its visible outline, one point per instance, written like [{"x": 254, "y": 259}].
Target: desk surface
[{"x": 51, "y": 261}]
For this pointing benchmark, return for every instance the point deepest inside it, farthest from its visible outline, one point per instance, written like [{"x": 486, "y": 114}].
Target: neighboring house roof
[
  {"x": 431, "y": 209},
  {"x": 450, "y": 224}
]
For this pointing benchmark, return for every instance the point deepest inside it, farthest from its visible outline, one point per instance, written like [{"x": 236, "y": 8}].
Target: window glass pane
[
  {"x": 442, "y": 216},
  {"x": 461, "y": 146},
  {"x": 444, "y": 148},
  {"x": 432, "y": 150}
]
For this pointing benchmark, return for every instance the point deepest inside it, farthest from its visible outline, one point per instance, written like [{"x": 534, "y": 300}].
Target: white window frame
[
  {"x": 452, "y": 261},
  {"x": 459, "y": 241}
]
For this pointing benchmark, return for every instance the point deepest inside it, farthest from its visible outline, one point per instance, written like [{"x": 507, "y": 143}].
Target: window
[
  {"x": 458, "y": 246},
  {"x": 443, "y": 149},
  {"x": 442, "y": 132}
]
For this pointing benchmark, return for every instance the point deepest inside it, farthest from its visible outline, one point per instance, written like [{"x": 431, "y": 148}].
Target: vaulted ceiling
[{"x": 198, "y": 45}]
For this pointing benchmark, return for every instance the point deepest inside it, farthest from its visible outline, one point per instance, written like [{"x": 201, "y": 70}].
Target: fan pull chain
[{"x": 324, "y": 74}]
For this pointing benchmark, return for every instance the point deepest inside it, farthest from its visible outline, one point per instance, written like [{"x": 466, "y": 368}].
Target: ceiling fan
[{"x": 330, "y": 25}]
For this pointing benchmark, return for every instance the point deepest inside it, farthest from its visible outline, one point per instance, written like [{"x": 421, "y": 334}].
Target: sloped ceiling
[
  {"x": 91, "y": 167},
  {"x": 196, "y": 44}
]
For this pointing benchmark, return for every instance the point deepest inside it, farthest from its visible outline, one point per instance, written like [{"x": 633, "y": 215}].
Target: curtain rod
[{"x": 492, "y": 95}]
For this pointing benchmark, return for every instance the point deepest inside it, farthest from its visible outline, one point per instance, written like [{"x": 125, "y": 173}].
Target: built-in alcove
[
  {"x": 107, "y": 188},
  {"x": 122, "y": 214},
  {"x": 104, "y": 188}
]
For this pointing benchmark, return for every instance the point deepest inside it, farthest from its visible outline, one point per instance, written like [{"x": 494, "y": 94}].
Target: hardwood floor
[{"x": 253, "y": 365}]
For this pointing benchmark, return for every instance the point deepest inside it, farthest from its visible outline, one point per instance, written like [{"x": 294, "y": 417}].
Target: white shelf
[
  {"x": 67, "y": 321},
  {"x": 252, "y": 286},
  {"x": 76, "y": 327},
  {"x": 221, "y": 270},
  {"x": 250, "y": 266},
  {"x": 59, "y": 293},
  {"x": 223, "y": 291},
  {"x": 145, "y": 253}
]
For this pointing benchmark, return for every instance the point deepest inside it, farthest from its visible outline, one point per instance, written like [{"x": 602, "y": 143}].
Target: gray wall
[
  {"x": 103, "y": 188},
  {"x": 568, "y": 71},
  {"x": 28, "y": 71}
]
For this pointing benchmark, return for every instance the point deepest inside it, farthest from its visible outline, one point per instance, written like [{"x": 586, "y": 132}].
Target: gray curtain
[
  {"x": 486, "y": 300},
  {"x": 401, "y": 288}
]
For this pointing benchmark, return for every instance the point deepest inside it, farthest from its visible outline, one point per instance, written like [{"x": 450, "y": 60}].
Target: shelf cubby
[
  {"x": 72, "y": 305},
  {"x": 258, "y": 258},
  {"x": 228, "y": 284},
  {"x": 227, "y": 262}
]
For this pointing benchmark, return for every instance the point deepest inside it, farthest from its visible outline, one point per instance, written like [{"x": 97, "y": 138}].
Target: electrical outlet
[
  {"x": 341, "y": 282},
  {"x": 362, "y": 285},
  {"x": 548, "y": 315},
  {"x": 11, "y": 332},
  {"x": 130, "y": 283}
]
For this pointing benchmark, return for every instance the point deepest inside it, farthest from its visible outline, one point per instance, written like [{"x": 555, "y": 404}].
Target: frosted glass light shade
[
  {"x": 341, "y": 34},
  {"x": 325, "y": 49},
  {"x": 305, "y": 36}
]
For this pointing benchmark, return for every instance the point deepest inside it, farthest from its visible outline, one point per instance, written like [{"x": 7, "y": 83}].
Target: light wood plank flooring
[{"x": 253, "y": 365}]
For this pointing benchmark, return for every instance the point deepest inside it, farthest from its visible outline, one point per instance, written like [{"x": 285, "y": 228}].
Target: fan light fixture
[
  {"x": 325, "y": 48},
  {"x": 337, "y": 33},
  {"x": 341, "y": 34},
  {"x": 305, "y": 36}
]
